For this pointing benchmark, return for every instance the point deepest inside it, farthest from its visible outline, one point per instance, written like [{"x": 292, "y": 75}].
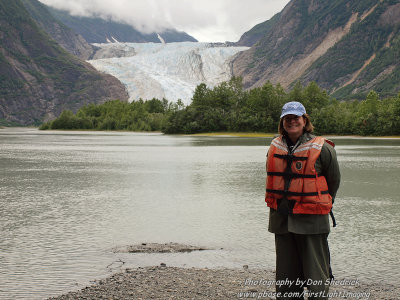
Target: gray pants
[{"x": 303, "y": 260}]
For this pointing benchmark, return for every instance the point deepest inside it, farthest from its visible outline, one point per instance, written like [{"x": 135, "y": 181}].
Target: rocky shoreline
[
  {"x": 165, "y": 282},
  {"x": 162, "y": 282}
]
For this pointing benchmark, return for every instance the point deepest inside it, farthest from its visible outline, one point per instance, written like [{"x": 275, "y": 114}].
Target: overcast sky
[{"x": 205, "y": 20}]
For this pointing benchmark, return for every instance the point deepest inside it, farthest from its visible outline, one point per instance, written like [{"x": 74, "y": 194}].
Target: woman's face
[{"x": 294, "y": 125}]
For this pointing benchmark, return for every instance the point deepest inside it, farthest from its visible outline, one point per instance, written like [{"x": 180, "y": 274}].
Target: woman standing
[{"x": 302, "y": 180}]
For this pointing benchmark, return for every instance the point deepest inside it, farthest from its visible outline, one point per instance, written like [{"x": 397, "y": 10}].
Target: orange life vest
[{"x": 294, "y": 176}]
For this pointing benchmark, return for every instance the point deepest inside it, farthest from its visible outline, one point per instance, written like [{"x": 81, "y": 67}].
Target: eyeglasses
[{"x": 291, "y": 118}]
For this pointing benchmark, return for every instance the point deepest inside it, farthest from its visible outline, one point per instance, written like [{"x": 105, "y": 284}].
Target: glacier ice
[{"x": 171, "y": 71}]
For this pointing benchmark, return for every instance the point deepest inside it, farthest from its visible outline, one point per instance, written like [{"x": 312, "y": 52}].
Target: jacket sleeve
[{"x": 330, "y": 168}]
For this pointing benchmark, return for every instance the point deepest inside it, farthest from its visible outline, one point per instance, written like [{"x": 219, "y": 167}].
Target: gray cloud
[{"x": 206, "y": 20}]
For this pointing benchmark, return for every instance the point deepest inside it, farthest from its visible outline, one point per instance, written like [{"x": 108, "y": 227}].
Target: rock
[{"x": 158, "y": 248}]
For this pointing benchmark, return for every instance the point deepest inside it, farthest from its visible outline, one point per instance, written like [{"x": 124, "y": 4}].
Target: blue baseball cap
[{"x": 293, "y": 108}]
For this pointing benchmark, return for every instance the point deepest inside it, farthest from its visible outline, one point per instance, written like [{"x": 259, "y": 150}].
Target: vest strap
[
  {"x": 291, "y": 175},
  {"x": 333, "y": 218},
  {"x": 289, "y": 193},
  {"x": 289, "y": 156}
]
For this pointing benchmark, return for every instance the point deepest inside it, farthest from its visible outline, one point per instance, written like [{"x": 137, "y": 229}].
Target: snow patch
[
  {"x": 160, "y": 38},
  {"x": 114, "y": 39}
]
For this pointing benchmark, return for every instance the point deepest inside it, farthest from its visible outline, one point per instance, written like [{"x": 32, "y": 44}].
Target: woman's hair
[{"x": 307, "y": 128}]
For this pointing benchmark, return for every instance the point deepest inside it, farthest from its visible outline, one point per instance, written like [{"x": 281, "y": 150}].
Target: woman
[{"x": 302, "y": 180}]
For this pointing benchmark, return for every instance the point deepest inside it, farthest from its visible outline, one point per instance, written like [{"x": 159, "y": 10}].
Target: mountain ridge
[{"x": 98, "y": 30}]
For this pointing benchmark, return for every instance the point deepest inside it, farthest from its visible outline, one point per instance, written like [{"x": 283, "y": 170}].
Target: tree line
[{"x": 229, "y": 107}]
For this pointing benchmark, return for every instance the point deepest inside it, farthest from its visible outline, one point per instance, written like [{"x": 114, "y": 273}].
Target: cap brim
[{"x": 292, "y": 112}]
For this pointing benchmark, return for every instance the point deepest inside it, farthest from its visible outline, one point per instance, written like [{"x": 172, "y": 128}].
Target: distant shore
[
  {"x": 162, "y": 282},
  {"x": 219, "y": 134},
  {"x": 261, "y": 134}
]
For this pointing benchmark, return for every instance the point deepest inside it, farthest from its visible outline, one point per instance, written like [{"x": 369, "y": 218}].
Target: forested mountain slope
[
  {"x": 38, "y": 78},
  {"x": 346, "y": 47},
  {"x": 68, "y": 39}
]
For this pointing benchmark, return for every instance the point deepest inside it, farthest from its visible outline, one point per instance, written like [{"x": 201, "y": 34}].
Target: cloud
[{"x": 206, "y": 20}]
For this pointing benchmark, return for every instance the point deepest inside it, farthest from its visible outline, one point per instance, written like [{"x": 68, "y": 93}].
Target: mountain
[
  {"x": 63, "y": 35},
  {"x": 171, "y": 71},
  {"x": 38, "y": 78},
  {"x": 255, "y": 34},
  {"x": 346, "y": 47},
  {"x": 97, "y": 30}
]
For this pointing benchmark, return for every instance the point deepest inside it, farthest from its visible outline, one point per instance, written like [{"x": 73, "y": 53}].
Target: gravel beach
[{"x": 164, "y": 282}]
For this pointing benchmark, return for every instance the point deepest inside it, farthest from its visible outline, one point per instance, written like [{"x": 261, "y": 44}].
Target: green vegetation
[
  {"x": 229, "y": 108},
  {"x": 6, "y": 123},
  {"x": 116, "y": 115}
]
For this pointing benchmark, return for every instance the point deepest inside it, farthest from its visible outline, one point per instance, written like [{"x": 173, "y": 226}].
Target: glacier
[{"x": 171, "y": 71}]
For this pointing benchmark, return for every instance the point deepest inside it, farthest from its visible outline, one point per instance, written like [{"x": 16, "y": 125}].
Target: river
[{"x": 68, "y": 198}]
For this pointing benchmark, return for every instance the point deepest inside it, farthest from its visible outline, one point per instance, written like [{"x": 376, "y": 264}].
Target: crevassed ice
[{"x": 171, "y": 71}]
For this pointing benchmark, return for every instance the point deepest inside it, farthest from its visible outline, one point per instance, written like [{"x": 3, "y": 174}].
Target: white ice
[{"x": 171, "y": 71}]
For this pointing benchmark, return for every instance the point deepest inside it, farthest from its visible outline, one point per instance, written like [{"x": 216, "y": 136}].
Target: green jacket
[{"x": 326, "y": 165}]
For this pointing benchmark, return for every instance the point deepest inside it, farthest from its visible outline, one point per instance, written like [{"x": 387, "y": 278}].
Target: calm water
[{"x": 67, "y": 198}]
